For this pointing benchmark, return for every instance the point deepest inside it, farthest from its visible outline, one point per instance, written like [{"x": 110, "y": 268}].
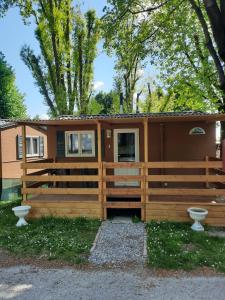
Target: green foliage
[
  {"x": 67, "y": 39},
  {"x": 11, "y": 100},
  {"x": 186, "y": 68},
  {"x": 124, "y": 37},
  {"x": 176, "y": 246},
  {"x": 104, "y": 103},
  {"x": 51, "y": 238}
]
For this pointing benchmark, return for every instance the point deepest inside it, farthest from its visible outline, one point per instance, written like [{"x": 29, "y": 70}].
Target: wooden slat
[
  {"x": 166, "y": 205},
  {"x": 112, "y": 178},
  {"x": 68, "y": 165},
  {"x": 122, "y": 165},
  {"x": 41, "y": 172},
  {"x": 60, "y": 191},
  {"x": 118, "y": 204},
  {"x": 186, "y": 178},
  {"x": 122, "y": 191},
  {"x": 52, "y": 178},
  {"x": 191, "y": 192},
  {"x": 64, "y": 204},
  {"x": 185, "y": 164}
]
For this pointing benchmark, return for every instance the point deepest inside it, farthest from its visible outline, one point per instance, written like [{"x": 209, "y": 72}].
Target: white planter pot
[
  {"x": 21, "y": 212},
  {"x": 197, "y": 214}
]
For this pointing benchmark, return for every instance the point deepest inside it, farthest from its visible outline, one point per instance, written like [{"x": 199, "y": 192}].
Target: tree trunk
[{"x": 216, "y": 18}]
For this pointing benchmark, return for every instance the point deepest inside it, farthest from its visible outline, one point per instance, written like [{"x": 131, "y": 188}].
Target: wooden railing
[
  {"x": 48, "y": 174},
  {"x": 153, "y": 178}
]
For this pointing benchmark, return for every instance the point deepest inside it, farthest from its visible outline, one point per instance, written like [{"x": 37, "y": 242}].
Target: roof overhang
[{"x": 127, "y": 119}]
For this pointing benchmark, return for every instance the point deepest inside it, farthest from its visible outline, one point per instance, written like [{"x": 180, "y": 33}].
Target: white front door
[{"x": 126, "y": 149}]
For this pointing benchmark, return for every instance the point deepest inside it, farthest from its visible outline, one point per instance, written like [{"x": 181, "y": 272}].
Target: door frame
[{"x": 115, "y": 141}]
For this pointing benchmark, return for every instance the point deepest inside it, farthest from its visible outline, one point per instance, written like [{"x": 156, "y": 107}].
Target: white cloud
[{"x": 97, "y": 85}]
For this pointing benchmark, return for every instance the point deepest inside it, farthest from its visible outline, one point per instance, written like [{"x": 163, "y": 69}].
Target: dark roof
[
  {"x": 131, "y": 115},
  {"x": 7, "y": 124},
  {"x": 127, "y": 118}
]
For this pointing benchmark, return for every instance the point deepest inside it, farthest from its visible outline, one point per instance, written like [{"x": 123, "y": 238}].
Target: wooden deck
[{"x": 91, "y": 196}]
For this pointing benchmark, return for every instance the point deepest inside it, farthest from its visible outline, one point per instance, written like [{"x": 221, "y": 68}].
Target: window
[
  {"x": 197, "y": 131},
  {"x": 80, "y": 143},
  {"x": 32, "y": 146}
]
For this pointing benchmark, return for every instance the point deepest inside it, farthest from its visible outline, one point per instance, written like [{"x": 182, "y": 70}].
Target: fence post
[
  {"x": 206, "y": 172},
  {"x": 145, "y": 168}
]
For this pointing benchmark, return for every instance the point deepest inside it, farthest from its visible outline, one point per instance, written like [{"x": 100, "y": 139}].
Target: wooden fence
[{"x": 155, "y": 179}]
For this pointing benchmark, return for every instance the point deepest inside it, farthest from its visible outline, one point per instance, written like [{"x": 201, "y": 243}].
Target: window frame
[
  {"x": 32, "y": 146},
  {"x": 79, "y": 133}
]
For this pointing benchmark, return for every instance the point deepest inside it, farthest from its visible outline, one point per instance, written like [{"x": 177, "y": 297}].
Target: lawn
[
  {"x": 62, "y": 239},
  {"x": 176, "y": 246}
]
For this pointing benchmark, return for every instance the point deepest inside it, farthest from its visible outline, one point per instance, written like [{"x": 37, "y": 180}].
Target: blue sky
[{"x": 14, "y": 34}]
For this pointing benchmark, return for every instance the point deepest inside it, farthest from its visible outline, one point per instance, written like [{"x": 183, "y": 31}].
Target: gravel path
[
  {"x": 27, "y": 282},
  {"x": 119, "y": 242}
]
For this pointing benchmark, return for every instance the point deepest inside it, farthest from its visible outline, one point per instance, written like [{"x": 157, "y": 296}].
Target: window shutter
[
  {"x": 41, "y": 146},
  {"x": 60, "y": 143},
  {"x": 19, "y": 146}
]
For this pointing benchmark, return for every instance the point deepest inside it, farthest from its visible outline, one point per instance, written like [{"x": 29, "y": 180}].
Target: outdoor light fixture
[{"x": 108, "y": 133}]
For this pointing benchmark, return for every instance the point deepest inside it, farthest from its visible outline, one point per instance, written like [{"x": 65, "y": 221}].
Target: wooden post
[
  {"x": 145, "y": 196},
  {"x": 24, "y": 158},
  {"x": 100, "y": 175},
  {"x": 207, "y": 172},
  {"x": 103, "y": 193}
]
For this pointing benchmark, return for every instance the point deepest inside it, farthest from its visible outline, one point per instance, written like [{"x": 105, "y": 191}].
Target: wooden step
[{"x": 124, "y": 204}]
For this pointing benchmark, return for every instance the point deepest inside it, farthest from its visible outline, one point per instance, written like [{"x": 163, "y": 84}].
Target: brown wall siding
[
  {"x": 167, "y": 141},
  {"x": 52, "y": 153},
  {"x": 178, "y": 145},
  {"x": 10, "y": 163},
  {"x": 51, "y": 140}
]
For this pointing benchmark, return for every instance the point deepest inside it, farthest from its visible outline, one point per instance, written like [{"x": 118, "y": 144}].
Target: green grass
[
  {"x": 62, "y": 239},
  {"x": 176, "y": 246}
]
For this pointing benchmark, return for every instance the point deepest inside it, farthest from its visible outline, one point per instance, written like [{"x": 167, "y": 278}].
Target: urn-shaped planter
[
  {"x": 197, "y": 214},
  {"x": 21, "y": 212}
]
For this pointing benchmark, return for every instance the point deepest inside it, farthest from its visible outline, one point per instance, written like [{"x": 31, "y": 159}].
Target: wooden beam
[
  {"x": 61, "y": 191},
  {"x": 53, "y": 178},
  {"x": 189, "y": 192},
  {"x": 144, "y": 184},
  {"x": 186, "y": 178},
  {"x": 123, "y": 165},
  {"x": 112, "y": 178},
  {"x": 100, "y": 183},
  {"x": 59, "y": 165},
  {"x": 185, "y": 164},
  {"x": 123, "y": 191},
  {"x": 117, "y": 204}
]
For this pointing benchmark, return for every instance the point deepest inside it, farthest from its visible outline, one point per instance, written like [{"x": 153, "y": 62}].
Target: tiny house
[
  {"x": 157, "y": 163},
  {"x": 11, "y": 155}
]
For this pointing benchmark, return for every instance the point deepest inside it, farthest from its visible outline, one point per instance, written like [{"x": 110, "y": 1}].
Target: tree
[
  {"x": 104, "y": 103},
  {"x": 11, "y": 100},
  {"x": 186, "y": 68},
  {"x": 189, "y": 45},
  {"x": 123, "y": 34},
  {"x": 68, "y": 40}
]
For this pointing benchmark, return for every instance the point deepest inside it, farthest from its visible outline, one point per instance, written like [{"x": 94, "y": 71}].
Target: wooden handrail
[
  {"x": 184, "y": 164},
  {"x": 105, "y": 180},
  {"x": 60, "y": 165}
]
